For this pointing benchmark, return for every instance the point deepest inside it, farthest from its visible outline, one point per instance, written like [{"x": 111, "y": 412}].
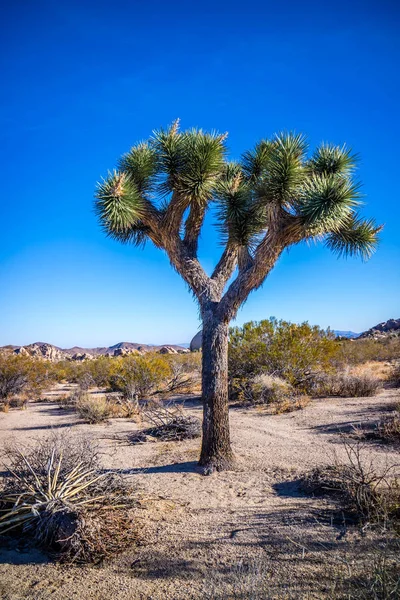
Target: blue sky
[{"x": 83, "y": 81}]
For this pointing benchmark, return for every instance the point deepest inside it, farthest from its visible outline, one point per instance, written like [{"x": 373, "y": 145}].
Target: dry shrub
[
  {"x": 395, "y": 376},
  {"x": 268, "y": 390},
  {"x": 185, "y": 374},
  {"x": 121, "y": 406},
  {"x": 85, "y": 381},
  {"x": 364, "y": 494},
  {"x": 56, "y": 496},
  {"x": 180, "y": 381},
  {"x": 168, "y": 423},
  {"x": 373, "y": 368},
  {"x": 93, "y": 409},
  {"x": 343, "y": 385},
  {"x": 97, "y": 409},
  {"x": 18, "y": 402},
  {"x": 261, "y": 389},
  {"x": 71, "y": 400},
  {"x": 290, "y": 404},
  {"x": 387, "y": 429}
]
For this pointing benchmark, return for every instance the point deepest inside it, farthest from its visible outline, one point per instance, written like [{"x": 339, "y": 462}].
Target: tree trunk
[{"x": 216, "y": 452}]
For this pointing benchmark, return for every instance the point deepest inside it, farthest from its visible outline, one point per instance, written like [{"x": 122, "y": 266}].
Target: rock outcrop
[
  {"x": 390, "y": 328},
  {"x": 167, "y": 350},
  {"x": 41, "y": 350},
  {"x": 53, "y": 353}
]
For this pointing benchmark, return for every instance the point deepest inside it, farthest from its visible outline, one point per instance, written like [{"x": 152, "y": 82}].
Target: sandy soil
[{"x": 210, "y": 537}]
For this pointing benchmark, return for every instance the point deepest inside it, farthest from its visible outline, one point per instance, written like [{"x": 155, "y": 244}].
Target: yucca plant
[
  {"x": 54, "y": 495},
  {"x": 39, "y": 497},
  {"x": 275, "y": 196}
]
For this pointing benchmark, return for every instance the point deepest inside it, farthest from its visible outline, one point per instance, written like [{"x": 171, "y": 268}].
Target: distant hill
[
  {"x": 55, "y": 353},
  {"x": 390, "y": 328},
  {"x": 346, "y": 334}
]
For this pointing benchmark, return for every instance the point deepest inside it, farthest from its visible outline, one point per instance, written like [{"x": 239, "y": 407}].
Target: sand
[{"x": 217, "y": 536}]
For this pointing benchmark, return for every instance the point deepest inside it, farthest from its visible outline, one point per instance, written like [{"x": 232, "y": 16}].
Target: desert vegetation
[
  {"x": 22, "y": 378},
  {"x": 271, "y": 363},
  {"x": 57, "y": 495},
  {"x": 317, "y": 486}
]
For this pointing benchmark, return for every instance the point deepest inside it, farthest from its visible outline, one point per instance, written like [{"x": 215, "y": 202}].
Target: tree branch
[
  {"x": 284, "y": 230},
  {"x": 173, "y": 216},
  {"x": 249, "y": 279},
  {"x": 193, "y": 226},
  {"x": 225, "y": 267}
]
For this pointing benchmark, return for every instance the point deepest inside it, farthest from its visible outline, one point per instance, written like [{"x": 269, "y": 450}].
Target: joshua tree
[{"x": 273, "y": 197}]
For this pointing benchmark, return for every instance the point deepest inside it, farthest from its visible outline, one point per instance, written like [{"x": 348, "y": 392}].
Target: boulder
[
  {"x": 21, "y": 351},
  {"x": 167, "y": 350},
  {"x": 196, "y": 343}
]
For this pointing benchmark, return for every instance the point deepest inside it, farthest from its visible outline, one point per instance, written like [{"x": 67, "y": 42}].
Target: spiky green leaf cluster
[
  {"x": 283, "y": 170},
  {"x": 119, "y": 204},
  {"x": 240, "y": 219},
  {"x": 356, "y": 237},
  {"x": 276, "y": 181},
  {"x": 332, "y": 160},
  {"x": 190, "y": 162},
  {"x": 141, "y": 164},
  {"x": 254, "y": 162},
  {"x": 326, "y": 202}
]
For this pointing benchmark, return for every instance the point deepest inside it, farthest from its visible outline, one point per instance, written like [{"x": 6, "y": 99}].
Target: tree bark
[{"x": 216, "y": 452}]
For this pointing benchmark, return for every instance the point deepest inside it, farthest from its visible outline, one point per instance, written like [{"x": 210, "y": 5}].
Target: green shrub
[
  {"x": 139, "y": 376},
  {"x": 352, "y": 352},
  {"x": 292, "y": 352},
  {"x": 22, "y": 374}
]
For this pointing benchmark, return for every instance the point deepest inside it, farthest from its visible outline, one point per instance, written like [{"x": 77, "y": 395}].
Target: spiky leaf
[
  {"x": 254, "y": 162},
  {"x": 357, "y": 237},
  {"x": 326, "y": 203},
  {"x": 332, "y": 160},
  {"x": 140, "y": 163},
  {"x": 240, "y": 218},
  {"x": 119, "y": 204},
  {"x": 283, "y": 170}
]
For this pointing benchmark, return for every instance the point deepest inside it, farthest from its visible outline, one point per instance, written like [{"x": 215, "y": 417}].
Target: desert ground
[{"x": 220, "y": 536}]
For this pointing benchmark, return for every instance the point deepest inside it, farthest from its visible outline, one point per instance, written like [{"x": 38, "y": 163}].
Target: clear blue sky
[{"x": 82, "y": 81}]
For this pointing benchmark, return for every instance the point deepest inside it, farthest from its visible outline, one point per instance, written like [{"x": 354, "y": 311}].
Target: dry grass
[
  {"x": 373, "y": 369},
  {"x": 344, "y": 385},
  {"x": 168, "y": 423},
  {"x": 366, "y": 496},
  {"x": 290, "y": 404},
  {"x": 373, "y": 574},
  {"x": 387, "y": 430},
  {"x": 93, "y": 409},
  {"x": 394, "y": 377},
  {"x": 56, "y": 496}
]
